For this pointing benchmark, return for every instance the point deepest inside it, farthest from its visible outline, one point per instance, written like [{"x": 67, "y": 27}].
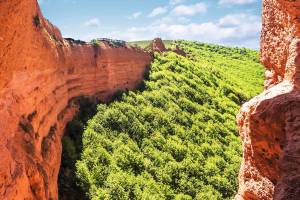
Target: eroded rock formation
[
  {"x": 157, "y": 45},
  {"x": 40, "y": 75},
  {"x": 270, "y": 123}
]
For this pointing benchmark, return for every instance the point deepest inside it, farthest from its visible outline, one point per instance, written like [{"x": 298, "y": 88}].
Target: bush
[
  {"x": 95, "y": 42},
  {"x": 36, "y": 20},
  {"x": 72, "y": 147}
]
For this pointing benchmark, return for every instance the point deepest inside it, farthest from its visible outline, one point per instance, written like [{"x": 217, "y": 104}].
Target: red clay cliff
[
  {"x": 270, "y": 123},
  {"x": 40, "y": 75}
]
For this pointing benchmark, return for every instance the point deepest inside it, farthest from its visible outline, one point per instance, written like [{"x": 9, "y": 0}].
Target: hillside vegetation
[
  {"x": 175, "y": 137},
  {"x": 146, "y": 43}
]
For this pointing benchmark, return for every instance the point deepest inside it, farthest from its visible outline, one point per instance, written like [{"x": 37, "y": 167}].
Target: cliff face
[
  {"x": 40, "y": 76},
  {"x": 270, "y": 123}
]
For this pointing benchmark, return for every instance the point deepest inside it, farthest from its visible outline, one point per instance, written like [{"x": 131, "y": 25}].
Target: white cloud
[
  {"x": 135, "y": 15},
  {"x": 235, "y": 29},
  {"x": 170, "y": 19},
  {"x": 158, "y": 11},
  {"x": 175, "y": 2},
  {"x": 94, "y": 22},
  {"x": 190, "y": 10},
  {"x": 237, "y": 19},
  {"x": 237, "y": 2}
]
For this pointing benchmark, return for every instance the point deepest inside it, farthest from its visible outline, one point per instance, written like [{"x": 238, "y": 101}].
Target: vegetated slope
[
  {"x": 146, "y": 43},
  {"x": 176, "y": 139}
]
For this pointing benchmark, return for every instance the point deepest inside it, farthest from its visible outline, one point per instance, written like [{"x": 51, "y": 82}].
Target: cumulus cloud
[
  {"x": 190, "y": 10},
  {"x": 237, "y": 19},
  {"x": 170, "y": 19},
  {"x": 235, "y": 29},
  {"x": 94, "y": 22},
  {"x": 158, "y": 11},
  {"x": 237, "y": 2},
  {"x": 135, "y": 15},
  {"x": 175, "y": 2}
]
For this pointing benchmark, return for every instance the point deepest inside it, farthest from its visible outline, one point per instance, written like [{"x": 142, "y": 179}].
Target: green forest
[{"x": 175, "y": 137}]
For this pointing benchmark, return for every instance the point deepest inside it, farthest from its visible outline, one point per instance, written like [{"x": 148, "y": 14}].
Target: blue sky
[{"x": 228, "y": 22}]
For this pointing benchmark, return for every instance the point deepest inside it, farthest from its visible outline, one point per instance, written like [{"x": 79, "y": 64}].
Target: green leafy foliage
[
  {"x": 177, "y": 139},
  {"x": 95, "y": 42},
  {"x": 146, "y": 43},
  {"x": 112, "y": 43},
  {"x": 72, "y": 147},
  {"x": 36, "y": 20}
]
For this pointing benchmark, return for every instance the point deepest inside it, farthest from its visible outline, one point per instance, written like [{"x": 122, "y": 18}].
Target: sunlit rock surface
[
  {"x": 40, "y": 75},
  {"x": 270, "y": 123}
]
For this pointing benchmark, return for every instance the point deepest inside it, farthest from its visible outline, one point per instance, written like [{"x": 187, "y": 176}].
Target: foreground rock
[
  {"x": 270, "y": 123},
  {"x": 41, "y": 74}
]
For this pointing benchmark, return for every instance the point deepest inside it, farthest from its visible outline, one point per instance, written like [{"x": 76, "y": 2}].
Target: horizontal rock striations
[
  {"x": 40, "y": 76},
  {"x": 270, "y": 123}
]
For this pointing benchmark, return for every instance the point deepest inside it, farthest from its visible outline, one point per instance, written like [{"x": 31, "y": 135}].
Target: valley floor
[{"x": 176, "y": 136}]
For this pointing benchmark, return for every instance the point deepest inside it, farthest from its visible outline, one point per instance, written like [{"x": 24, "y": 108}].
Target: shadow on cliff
[
  {"x": 72, "y": 144},
  {"x": 72, "y": 148}
]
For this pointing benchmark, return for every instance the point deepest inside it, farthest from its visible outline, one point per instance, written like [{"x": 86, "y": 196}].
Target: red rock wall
[
  {"x": 40, "y": 74},
  {"x": 270, "y": 123}
]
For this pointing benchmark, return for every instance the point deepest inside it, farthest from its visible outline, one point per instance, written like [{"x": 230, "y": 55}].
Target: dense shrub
[
  {"x": 177, "y": 139},
  {"x": 95, "y": 42},
  {"x": 72, "y": 147},
  {"x": 36, "y": 20}
]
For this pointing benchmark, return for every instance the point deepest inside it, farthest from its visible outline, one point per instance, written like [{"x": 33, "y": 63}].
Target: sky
[{"x": 227, "y": 22}]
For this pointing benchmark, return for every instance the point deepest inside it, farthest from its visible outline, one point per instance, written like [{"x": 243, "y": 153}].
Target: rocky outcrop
[
  {"x": 157, "y": 45},
  {"x": 270, "y": 123},
  {"x": 179, "y": 51},
  {"x": 40, "y": 76}
]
